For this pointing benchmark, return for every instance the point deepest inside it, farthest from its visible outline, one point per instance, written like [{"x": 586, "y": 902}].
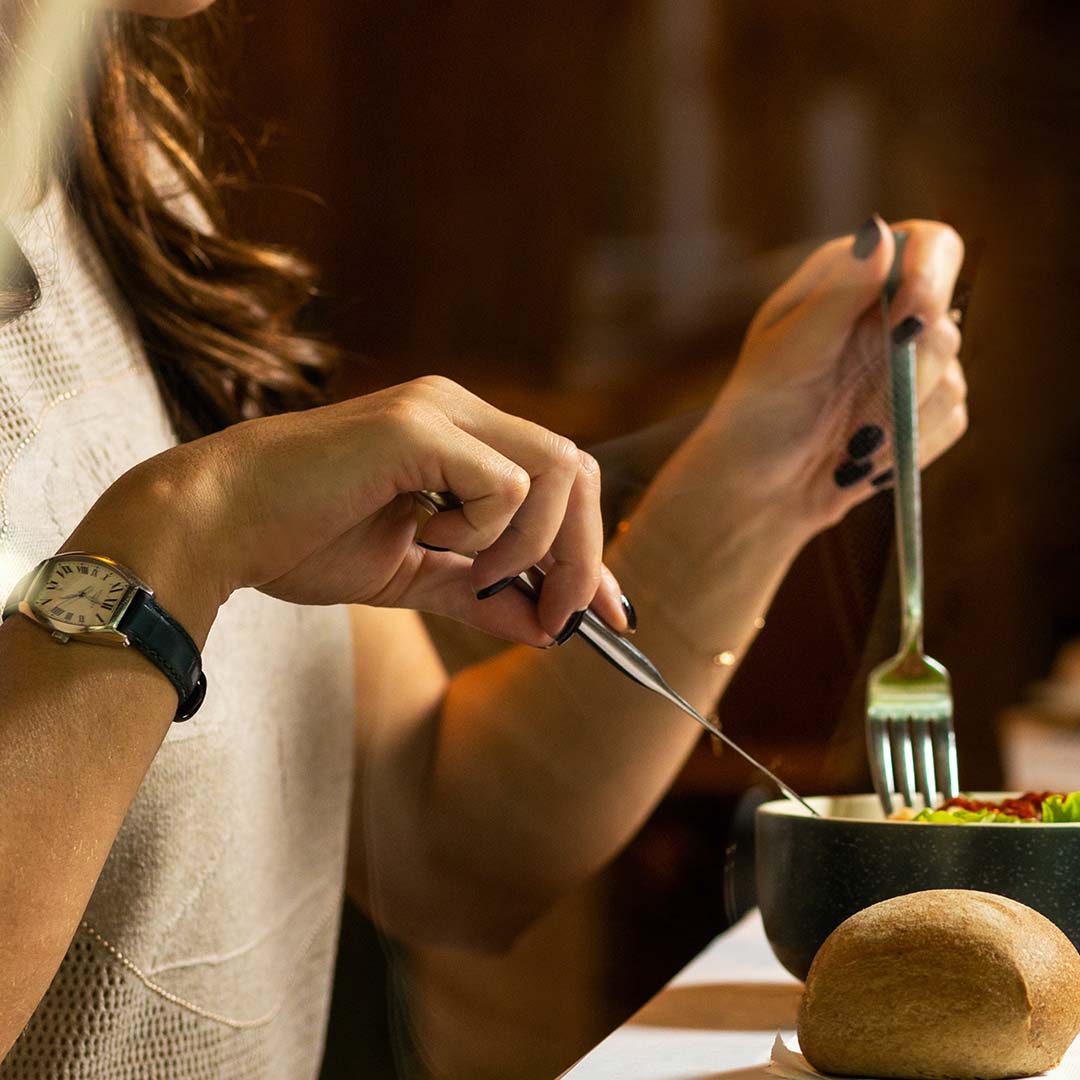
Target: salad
[{"x": 1042, "y": 806}]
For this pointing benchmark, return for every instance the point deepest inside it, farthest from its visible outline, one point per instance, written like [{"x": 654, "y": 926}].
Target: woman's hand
[
  {"x": 807, "y": 406},
  {"x": 314, "y": 507}
]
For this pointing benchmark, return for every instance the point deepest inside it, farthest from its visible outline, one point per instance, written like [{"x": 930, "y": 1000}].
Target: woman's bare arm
[
  {"x": 79, "y": 726},
  {"x": 479, "y": 800}
]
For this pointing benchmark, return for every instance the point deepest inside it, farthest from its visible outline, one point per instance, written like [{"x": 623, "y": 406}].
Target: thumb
[{"x": 821, "y": 322}]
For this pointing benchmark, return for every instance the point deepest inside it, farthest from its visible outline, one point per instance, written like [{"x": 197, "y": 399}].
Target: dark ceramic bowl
[{"x": 812, "y": 873}]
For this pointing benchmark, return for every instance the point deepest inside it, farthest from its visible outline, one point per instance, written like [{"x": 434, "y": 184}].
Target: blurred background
[{"x": 573, "y": 207}]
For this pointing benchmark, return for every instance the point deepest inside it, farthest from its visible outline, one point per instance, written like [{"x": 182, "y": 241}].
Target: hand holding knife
[{"x": 616, "y": 650}]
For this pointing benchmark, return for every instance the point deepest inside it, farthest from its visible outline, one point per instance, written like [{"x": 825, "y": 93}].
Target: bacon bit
[{"x": 1028, "y": 807}]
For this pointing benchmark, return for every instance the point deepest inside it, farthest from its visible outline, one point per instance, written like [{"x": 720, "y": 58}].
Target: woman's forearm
[
  {"x": 543, "y": 764},
  {"x": 79, "y": 727}
]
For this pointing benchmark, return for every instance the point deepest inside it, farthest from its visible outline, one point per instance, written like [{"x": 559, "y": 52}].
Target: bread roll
[{"x": 947, "y": 984}]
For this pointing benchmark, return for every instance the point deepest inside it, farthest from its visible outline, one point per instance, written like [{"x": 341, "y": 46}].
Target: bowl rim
[{"x": 786, "y": 807}]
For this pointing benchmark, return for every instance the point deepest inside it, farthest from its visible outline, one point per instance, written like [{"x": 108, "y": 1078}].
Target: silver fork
[{"x": 909, "y": 710}]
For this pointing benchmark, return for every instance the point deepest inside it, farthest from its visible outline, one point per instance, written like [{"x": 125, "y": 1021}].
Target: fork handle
[{"x": 907, "y": 497}]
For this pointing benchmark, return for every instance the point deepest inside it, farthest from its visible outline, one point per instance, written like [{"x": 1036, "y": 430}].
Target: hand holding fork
[{"x": 909, "y": 713}]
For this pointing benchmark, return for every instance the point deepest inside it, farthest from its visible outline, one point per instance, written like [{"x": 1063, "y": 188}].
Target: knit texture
[{"x": 207, "y": 947}]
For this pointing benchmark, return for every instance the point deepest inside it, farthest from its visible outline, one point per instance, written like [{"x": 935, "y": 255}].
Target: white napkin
[{"x": 793, "y": 1066}]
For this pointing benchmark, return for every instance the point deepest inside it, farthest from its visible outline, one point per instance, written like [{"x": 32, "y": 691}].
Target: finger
[
  {"x": 533, "y": 529},
  {"x": 612, "y": 604},
  {"x": 555, "y": 467},
  {"x": 943, "y": 419},
  {"x": 443, "y": 585},
  {"x": 576, "y": 553},
  {"x": 932, "y": 258},
  {"x": 937, "y": 349},
  {"x": 490, "y": 487},
  {"x": 822, "y": 321},
  {"x": 560, "y": 515},
  {"x": 815, "y": 269}
]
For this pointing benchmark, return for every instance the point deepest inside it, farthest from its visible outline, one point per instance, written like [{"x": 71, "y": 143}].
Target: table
[{"x": 716, "y": 1020}]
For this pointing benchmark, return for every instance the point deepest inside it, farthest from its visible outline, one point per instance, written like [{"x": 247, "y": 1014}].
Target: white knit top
[{"x": 207, "y": 948}]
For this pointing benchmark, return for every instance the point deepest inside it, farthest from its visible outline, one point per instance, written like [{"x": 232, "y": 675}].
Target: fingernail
[
  {"x": 882, "y": 478},
  {"x": 867, "y": 238},
  {"x": 571, "y": 626},
  {"x": 490, "y": 590},
  {"x": 851, "y": 472},
  {"x": 629, "y": 612},
  {"x": 911, "y": 327},
  {"x": 866, "y": 441},
  {"x": 429, "y": 547}
]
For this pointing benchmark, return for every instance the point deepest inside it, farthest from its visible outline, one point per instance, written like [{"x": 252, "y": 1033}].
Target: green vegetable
[
  {"x": 1054, "y": 809},
  {"x": 1058, "y": 809},
  {"x": 956, "y": 816}
]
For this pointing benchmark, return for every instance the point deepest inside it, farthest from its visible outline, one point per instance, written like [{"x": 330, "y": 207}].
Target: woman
[{"x": 182, "y": 881}]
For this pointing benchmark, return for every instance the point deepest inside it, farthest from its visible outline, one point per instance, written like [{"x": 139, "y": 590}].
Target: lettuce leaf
[
  {"x": 955, "y": 815},
  {"x": 1057, "y": 808}
]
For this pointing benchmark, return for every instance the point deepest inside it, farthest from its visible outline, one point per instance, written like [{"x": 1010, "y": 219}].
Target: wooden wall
[{"x": 512, "y": 194}]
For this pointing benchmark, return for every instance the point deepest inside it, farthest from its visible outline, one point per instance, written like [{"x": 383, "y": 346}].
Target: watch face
[{"x": 80, "y": 593}]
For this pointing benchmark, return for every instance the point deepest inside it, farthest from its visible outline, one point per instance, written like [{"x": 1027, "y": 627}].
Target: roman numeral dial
[{"x": 80, "y": 594}]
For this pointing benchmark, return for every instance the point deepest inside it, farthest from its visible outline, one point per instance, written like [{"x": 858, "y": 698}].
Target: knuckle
[
  {"x": 515, "y": 484},
  {"x": 952, "y": 239},
  {"x": 435, "y": 384},
  {"x": 947, "y": 335},
  {"x": 562, "y": 452},
  {"x": 956, "y": 338},
  {"x": 406, "y": 411},
  {"x": 959, "y": 420},
  {"x": 955, "y": 380},
  {"x": 590, "y": 467}
]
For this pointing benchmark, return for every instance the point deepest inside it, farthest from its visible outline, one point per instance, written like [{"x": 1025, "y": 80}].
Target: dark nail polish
[
  {"x": 867, "y": 239},
  {"x": 631, "y": 614},
  {"x": 569, "y": 629},
  {"x": 429, "y": 547},
  {"x": 490, "y": 590},
  {"x": 882, "y": 478},
  {"x": 851, "y": 472},
  {"x": 866, "y": 441},
  {"x": 910, "y": 328}
]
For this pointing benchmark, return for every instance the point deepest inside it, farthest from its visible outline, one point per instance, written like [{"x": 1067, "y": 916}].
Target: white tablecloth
[{"x": 716, "y": 1020}]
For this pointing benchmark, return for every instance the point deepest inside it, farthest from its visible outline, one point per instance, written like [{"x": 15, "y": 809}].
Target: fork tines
[{"x": 911, "y": 754}]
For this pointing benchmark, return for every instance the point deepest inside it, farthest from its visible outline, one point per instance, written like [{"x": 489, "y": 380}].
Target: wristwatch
[{"x": 92, "y": 598}]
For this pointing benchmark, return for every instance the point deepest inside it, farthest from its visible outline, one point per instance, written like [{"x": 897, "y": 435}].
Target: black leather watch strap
[{"x": 156, "y": 634}]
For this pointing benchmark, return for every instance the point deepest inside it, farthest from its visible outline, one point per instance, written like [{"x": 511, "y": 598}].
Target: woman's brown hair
[{"x": 217, "y": 314}]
